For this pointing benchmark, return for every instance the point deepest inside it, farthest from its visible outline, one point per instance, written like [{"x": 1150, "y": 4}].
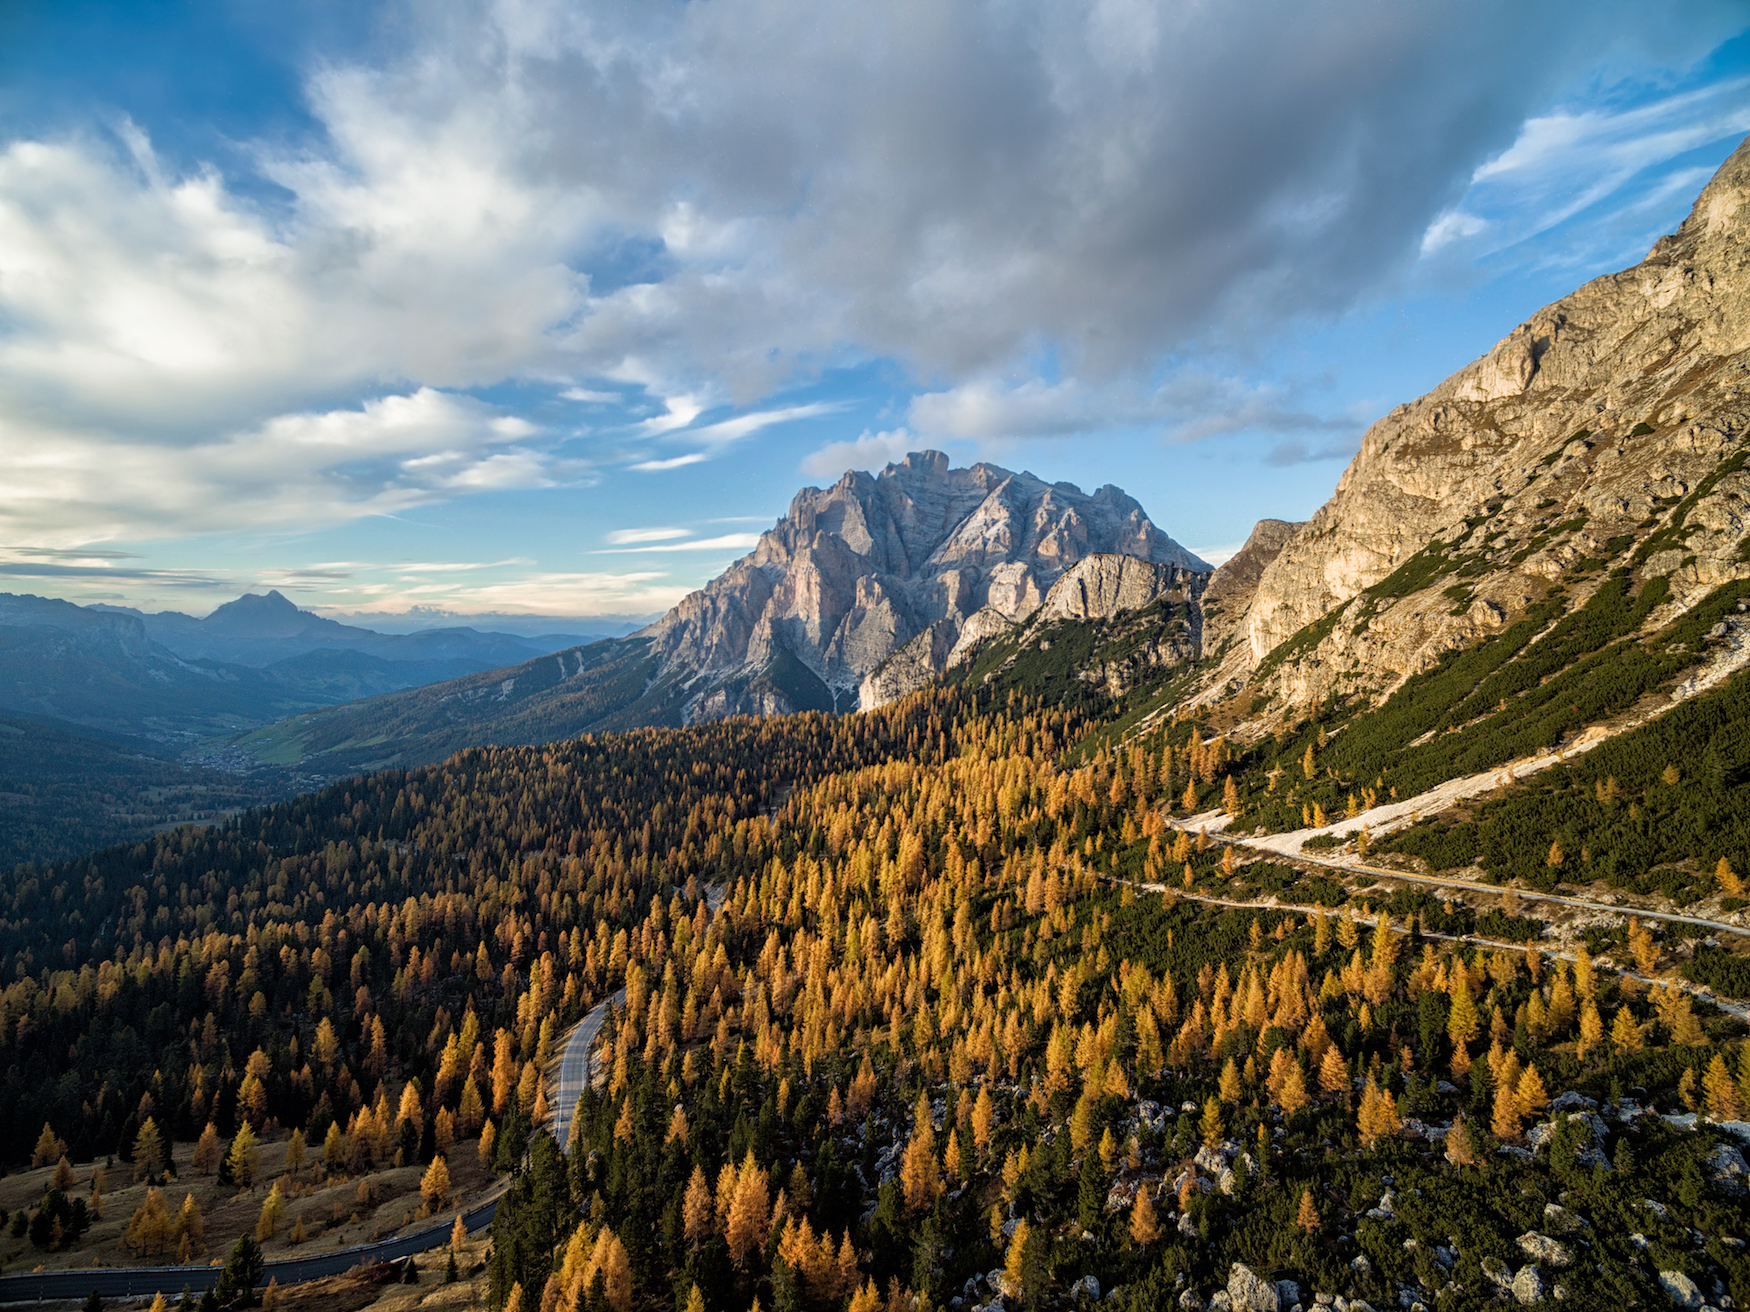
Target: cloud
[
  {"x": 1217, "y": 556},
  {"x": 871, "y": 451},
  {"x": 701, "y": 204},
  {"x": 673, "y": 462},
  {"x": 1187, "y": 407},
  {"x": 622, "y": 536},
  {"x": 725, "y": 542},
  {"x": 1296, "y": 452},
  {"x": 1562, "y": 164},
  {"x": 588, "y": 397},
  {"x": 299, "y": 471}
]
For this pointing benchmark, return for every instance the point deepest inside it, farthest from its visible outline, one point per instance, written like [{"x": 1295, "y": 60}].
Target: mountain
[
  {"x": 173, "y": 678},
  {"x": 101, "y": 671},
  {"x": 259, "y": 631},
  {"x": 1515, "y": 641},
  {"x": 1607, "y": 431},
  {"x": 863, "y": 591}
]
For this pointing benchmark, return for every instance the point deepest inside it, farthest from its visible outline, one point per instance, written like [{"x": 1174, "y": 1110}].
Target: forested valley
[{"x": 900, "y": 1027}]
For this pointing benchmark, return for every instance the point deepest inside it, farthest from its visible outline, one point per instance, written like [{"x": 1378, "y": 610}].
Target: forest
[{"x": 933, "y": 1042}]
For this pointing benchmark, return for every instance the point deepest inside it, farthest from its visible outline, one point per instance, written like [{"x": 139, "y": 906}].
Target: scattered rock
[
  {"x": 1684, "y": 1291},
  {"x": 1570, "y": 1101},
  {"x": 1541, "y": 1248},
  {"x": 1087, "y": 1287},
  {"x": 1726, "y": 1168},
  {"x": 1560, "y": 1218},
  {"x": 1191, "y": 1301},
  {"x": 1527, "y": 1287},
  {"x": 1249, "y": 1292}
]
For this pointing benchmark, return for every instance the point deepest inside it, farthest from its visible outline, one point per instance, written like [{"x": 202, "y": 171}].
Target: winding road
[
  {"x": 1379, "y": 872},
  {"x": 143, "y": 1282}
]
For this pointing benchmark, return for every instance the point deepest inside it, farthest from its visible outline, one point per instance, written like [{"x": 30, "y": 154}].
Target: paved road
[
  {"x": 1380, "y": 872},
  {"x": 143, "y": 1282},
  {"x": 574, "y": 1067},
  {"x": 125, "y": 1282}
]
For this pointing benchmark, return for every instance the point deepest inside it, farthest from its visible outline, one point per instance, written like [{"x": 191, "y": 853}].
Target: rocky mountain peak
[
  {"x": 856, "y": 571},
  {"x": 1575, "y": 431}
]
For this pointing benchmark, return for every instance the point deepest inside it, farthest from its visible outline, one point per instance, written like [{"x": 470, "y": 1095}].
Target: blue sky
[{"x": 542, "y": 308}]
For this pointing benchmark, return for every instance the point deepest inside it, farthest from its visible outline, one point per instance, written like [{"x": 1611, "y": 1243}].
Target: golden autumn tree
[{"x": 920, "y": 1175}]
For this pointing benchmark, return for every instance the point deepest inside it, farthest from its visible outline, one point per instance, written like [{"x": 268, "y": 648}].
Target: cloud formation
[{"x": 701, "y": 204}]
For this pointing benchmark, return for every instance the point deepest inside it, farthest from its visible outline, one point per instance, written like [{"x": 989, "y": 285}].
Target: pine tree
[
  {"x": 919, "y": 1174},
  {"x": 434, "y": 1187},
  {"x": 148, "y": 1151},
  {"x": 697, "y": 1213},
  {"x": 1229, "y": 1087},
  {"x": 49, "y": 1147},
  {"x": 1333, "y": 1073},
  {"x": 1625, "y": 1034},
  {"x": 1505, "y": 1122},
  {"x": 1211, "y": 1125},
  {"x": 208, "y": 1150},
  {"x": 1293, "y": 1095},
  {"x": 1307, "y": 1219},
  {"x": 273, "y": 1213},
  {"x": 1730, "y": 882}
]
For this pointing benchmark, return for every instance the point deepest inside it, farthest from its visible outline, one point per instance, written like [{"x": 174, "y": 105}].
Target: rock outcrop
[
  {"x": 1570, "y": 439},
  {"x": 884, "y": 572}
]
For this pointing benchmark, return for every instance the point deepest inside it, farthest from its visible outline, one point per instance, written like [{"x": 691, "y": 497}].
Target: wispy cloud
[
  {"x": 624, "y": 536},
  {"x": 727, "y": 542},
  {"x": 673, "y": 462},
  {"x": 870, "y": 451}
]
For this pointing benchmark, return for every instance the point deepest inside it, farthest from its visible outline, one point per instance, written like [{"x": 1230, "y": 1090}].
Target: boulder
[
  {"x": 1683, "y": 1291},
  {"x": 1527, "y": 1287},
  {"x": 1087, "y": 1287},
  {"x": 1726, "y": 1168},
  {"x": 1541, "y": 1248},
  {"x": 1247, "y": 1291}
]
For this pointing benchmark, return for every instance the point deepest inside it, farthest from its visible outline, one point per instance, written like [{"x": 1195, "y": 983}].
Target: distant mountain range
[
  {"x": 862, "y": 591},
  {"x": 176, "y": 679}
]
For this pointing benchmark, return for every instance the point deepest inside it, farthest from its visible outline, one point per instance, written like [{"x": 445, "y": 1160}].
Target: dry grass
[{"x": 331, "y": 1207}]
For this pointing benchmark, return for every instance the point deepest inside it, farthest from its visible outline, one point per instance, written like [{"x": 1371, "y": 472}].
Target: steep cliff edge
[{"x": 1577, "y": 437}]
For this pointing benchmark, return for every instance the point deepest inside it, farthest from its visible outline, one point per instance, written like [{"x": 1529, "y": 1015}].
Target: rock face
[
  {"x": 1578, "y": 428},
  {"x": 887, "y": 570}
]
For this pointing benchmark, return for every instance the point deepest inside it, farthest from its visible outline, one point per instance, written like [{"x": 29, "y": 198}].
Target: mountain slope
[{"x": 1611, "y": 416}]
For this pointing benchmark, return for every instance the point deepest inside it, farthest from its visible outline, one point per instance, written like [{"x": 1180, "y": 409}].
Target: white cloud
[
  {"x": 298, "y": 471},
  {"x": 1561, "y": 164},
  {"x": 871, "y": 451},
  {"x": 968, "y": 190},
  {"x": 622, "y": 536},
  {"x": 725, "y": 542},
  {"x": 673, "y": 462},
  {"x": 589, "y": 397}
]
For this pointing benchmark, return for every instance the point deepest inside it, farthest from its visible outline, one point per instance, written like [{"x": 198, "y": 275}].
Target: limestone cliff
[
  {"x": 1576, "y": 438},
  {"x": 886, "y": 570}
]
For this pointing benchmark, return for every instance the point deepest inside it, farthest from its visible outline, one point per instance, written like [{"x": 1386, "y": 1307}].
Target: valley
[{"x": 1357, "y": 924}]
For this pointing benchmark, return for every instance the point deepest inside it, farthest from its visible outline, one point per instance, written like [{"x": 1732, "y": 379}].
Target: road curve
[
  {"x": 574, "y": 1067},
  {"x": 142, "y": 1282},
  {"x": 1380, "y": 872}
]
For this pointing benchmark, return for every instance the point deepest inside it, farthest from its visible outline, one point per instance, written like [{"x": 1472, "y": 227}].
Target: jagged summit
[{"x": 856, "y": 571}]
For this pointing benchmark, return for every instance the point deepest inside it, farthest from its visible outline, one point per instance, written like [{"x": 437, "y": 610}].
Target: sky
[{"x": 546, "y": 309}]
